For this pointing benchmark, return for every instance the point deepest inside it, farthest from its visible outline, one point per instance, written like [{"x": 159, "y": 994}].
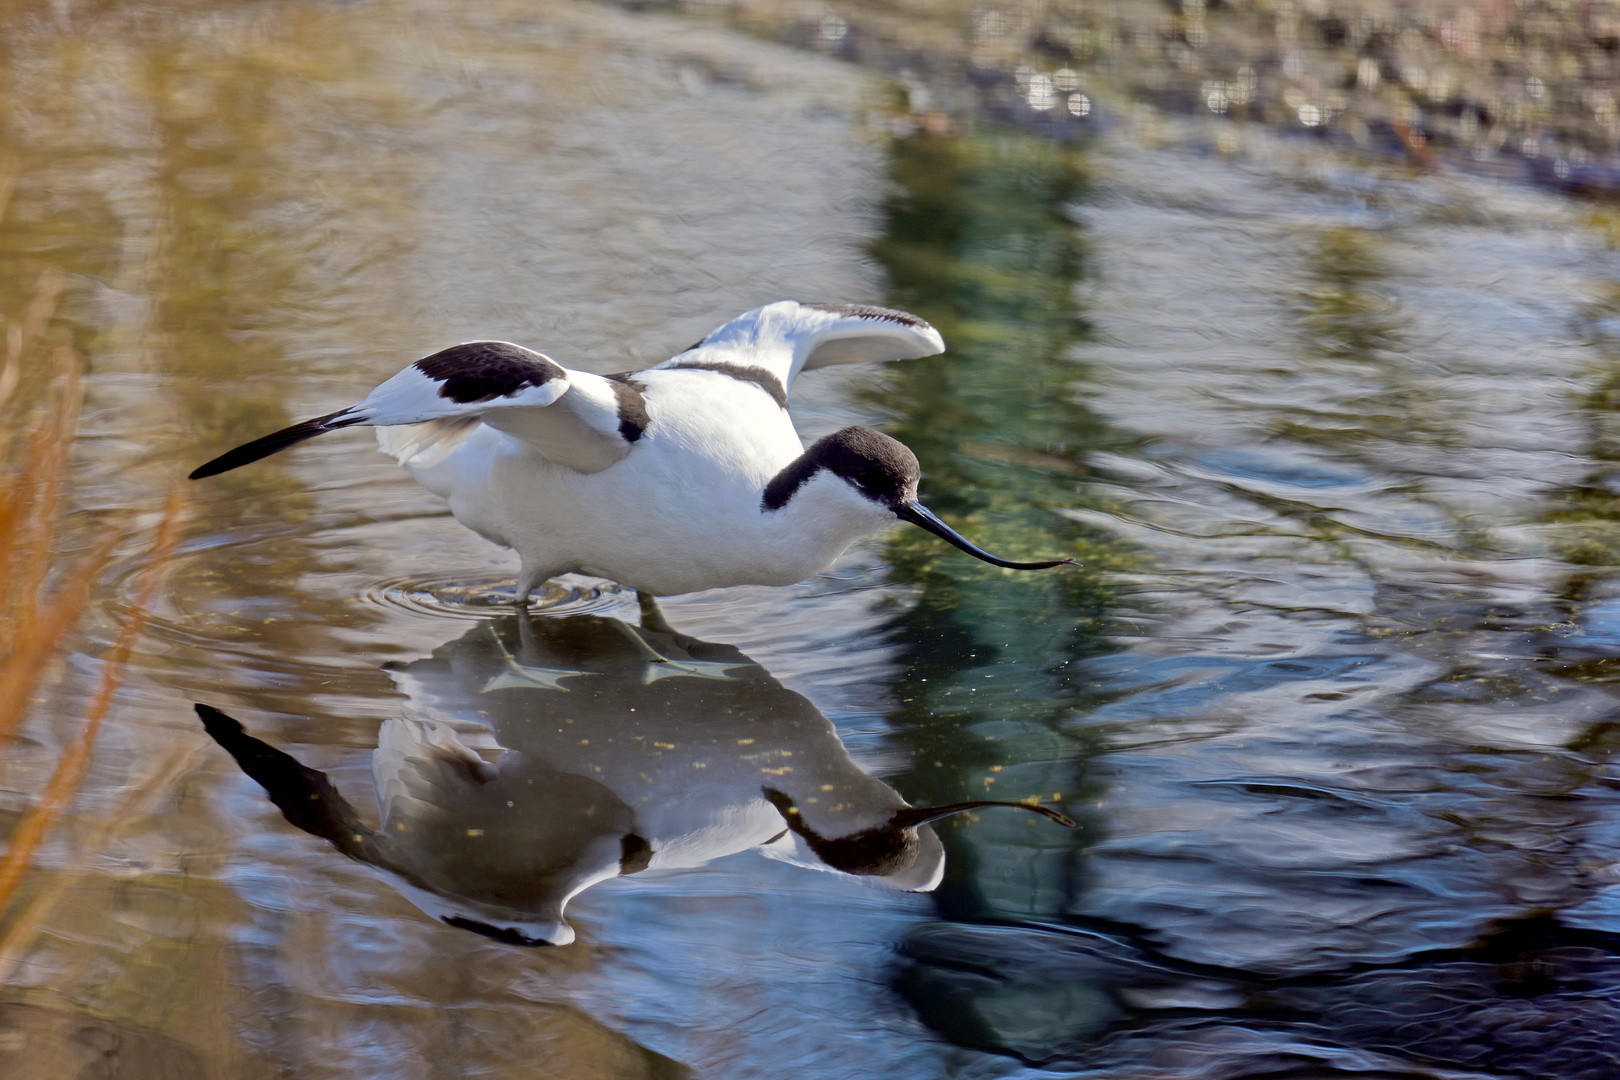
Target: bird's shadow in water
[{"x": 537, "y": 756}]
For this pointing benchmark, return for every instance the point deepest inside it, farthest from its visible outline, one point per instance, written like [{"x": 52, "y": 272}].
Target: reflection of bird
[
  {"x": 686, "y": 476},
  {"x": 603, "y": 774}
]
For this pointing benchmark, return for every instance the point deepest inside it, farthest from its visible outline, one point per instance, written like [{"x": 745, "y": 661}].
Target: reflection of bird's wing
[
  {"x": 582, "y": 421},
  {"x": 770, "y": 346},
  {"x": 423, "y": 769}
]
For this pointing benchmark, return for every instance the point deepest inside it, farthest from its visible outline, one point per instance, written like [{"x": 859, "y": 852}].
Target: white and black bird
[{"x": 685, "y": 476}]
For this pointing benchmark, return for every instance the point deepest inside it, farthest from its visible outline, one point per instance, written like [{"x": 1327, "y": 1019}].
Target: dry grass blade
[
  {"x": 23, "y": 668},
  {"x": 36, "y": 496},
  {"x": 16, "y": 489},
  {"x": 70, "y": 770},
  {"x": 22, "y": 335},
  {"x": 33, "y": 624},
  {"x": 12, "y": 372},
  {"x": 25, "y": 506},
  {"x": 29, "y": 509},
  {"x": 20, "y": 931}
]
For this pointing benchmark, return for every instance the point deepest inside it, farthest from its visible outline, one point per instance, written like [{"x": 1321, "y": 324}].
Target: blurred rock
[{"x": 1512, "y": 87}]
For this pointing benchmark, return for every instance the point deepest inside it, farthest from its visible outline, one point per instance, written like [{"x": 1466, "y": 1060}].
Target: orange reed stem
[{"x": 70, "y": 770}]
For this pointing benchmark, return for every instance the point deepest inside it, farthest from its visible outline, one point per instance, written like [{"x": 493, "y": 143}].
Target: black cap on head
[
  {"x": 880, "y": 468},
  {"x": 890, "y": 847}
]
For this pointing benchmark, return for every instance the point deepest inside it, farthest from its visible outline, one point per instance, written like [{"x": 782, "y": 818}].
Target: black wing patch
[
  {"x": 486, "y": 370},
  {"x": 633, "y": 418},
  {"x": 869, "y": 311},
  {"x": 759, "y": 376}
]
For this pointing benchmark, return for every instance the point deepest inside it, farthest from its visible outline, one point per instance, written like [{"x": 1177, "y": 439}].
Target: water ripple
[{"x": 456, "y": 596}]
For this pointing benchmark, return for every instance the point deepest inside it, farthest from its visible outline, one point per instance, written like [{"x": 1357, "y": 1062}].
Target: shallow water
[{"x": 1330, "y": 697}]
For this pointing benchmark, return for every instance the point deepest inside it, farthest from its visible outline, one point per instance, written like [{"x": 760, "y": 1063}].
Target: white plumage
[{"x": 685, "y": 476}]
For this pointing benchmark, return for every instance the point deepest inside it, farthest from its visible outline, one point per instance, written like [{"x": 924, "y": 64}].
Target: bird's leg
[
  {"x": 526, "y": 584},
  {"x": 516, "y": 675},
  {"x": 531, "y": 577},
  {"x": 652, "y": 616},
  {"x": 660, "y": 666}
]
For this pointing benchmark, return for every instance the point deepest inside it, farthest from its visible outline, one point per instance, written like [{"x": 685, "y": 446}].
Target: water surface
[{"x": 1331, "y": 696}]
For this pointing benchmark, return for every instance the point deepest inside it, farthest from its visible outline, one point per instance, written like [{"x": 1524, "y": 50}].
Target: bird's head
[
  {"x": 870, "y": 478},
  {"x": 896, "y": 852}
]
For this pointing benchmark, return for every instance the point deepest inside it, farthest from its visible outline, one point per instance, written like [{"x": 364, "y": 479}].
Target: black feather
[
  {"x": 479, "y": 371},
  {"x": 248, "y": 453},
  {"x": 305, "y": 797},
  {"x": 633, "y": 418},
  {"x": 879, "y": 467},
  {"x": 760, "y": 377},
  {"x": 869, "y": 311},
  {"x": 506, "y": 935}
]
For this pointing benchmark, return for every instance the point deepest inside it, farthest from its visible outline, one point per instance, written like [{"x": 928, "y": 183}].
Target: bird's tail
[
  {"x": 248, "y": 453},
  {"x": 306, "y": 797}
]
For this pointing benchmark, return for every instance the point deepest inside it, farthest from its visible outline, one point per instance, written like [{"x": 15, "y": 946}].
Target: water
[{"x": 1331, "y": 697}]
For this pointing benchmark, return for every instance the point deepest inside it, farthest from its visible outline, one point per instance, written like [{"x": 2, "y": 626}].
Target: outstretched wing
[
  {"x": 576, "y": 419},
  {"x": 420, "y": 767},
  {"x": 771, "y": 345}
]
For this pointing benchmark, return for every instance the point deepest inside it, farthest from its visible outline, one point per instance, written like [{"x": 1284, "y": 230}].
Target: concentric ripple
[
  {"x": 464, "y": 597},
  {"x": 312, "y": 592}
]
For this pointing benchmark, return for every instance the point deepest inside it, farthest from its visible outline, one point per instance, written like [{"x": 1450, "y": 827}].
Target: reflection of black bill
[
  {"x": 920, "y": 515},
  {"x": 914, "y": 816}
]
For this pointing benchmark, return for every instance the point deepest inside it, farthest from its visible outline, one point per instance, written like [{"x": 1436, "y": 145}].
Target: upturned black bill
[{"x": 918, "y": 514}]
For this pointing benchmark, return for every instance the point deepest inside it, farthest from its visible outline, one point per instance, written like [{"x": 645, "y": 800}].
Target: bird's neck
[{"x": 817, "y": 513}]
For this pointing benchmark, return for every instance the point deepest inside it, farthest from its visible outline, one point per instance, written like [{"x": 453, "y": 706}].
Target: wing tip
[
  {"x": 276, "y": 441},
  {"x": 918, "y": 326},
  {"x": 866, "y": 333},
  {"x": 936, "y": 341},
  {"x": 874, "y": 312}
]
